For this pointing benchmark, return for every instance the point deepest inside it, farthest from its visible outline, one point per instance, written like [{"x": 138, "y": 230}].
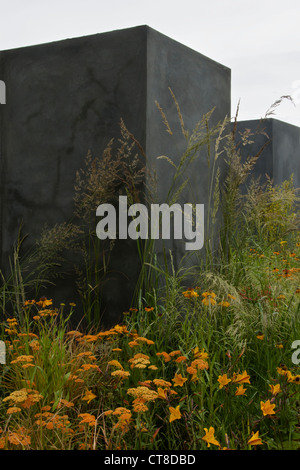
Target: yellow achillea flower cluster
[
  {"x": 139, "y": 406},
  {"x": 139, "y": 361},
  {"x": 18, "y": 437},
  {"x": 165, "y": 355},
  {"x": 85, "y": 367},
  {"x": 124, "y": 421},
  {"x": 120, "y": 410},
  {"x": 138, "y": 340},
  {"x": 35, "y": 345},
  {"x": 108, "y": 334},
  {"x": 143, "y": 395},
  {"x": 199, "y": 364},
  {"x": 143, "y": 392},
  {"x": 162, "y": 383},
  {"x": 144, "y": 340},
  {"x": 196, "y": 365},
  {"x": 25, "y": 360},
  {"x": 62, "y": 403},
  {"x": 24, "y": 398},
  {"x": 87, "y": 354},
  {"x": 181, "y": 359},
  {"x": 87, "y": 418},
  {"x": 116, "y": 363},
  {"x": 53, "y": 421},
  {"x": 120, "y": 373},
  {"x": 124, "y": 418},
  {"x": 13, "y": 409},
  {"x": 175, "y": 353}
]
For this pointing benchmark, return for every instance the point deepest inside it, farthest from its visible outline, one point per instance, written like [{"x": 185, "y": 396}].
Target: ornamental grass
[
  {"x": 208, "y": 359},
  {"x": 221, "y": 377}
]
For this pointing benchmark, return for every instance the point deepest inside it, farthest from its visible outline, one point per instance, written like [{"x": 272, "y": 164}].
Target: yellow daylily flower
[
  {"x": 243, "y": 378},
  {"x": 267, "y": 408},
  {"x": 179, "y": 380},
  {"x": 255, "y": 440},
  {"x": 89, "y": 396},
  {"x": 240, "y": 390},
  {"x": 223, "y": 380},
  {"x": 209, "y": 437},
  {"x": 175, "y": 413},
  {"x": 275, "y": 389}
]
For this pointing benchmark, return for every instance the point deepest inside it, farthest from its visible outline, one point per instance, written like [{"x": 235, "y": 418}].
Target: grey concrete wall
[
  {"x": 67, "y": 97},
  {"x": 281, "y": 157},
  {"x": 286, "y": 152},
  {"x": 200, "y": 85},
  {"x": 64, "y": 99}
]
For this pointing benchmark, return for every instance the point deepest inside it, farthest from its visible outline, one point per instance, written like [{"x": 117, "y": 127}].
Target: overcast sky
[{"x": 258, "y": 39}]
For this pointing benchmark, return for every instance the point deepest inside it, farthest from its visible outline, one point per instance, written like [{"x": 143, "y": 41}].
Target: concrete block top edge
[
  {"x": 141, "y": 28},
  {"x": 70, "y": 39},
  {"x": 270, "y": 121},
  {"x": 154, "y": 32}
]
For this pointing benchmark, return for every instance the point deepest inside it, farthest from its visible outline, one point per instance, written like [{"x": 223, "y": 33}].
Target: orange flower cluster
[
  {"x": 19, "y": 437},
  {"x": 24, "y": 398},
  {"x": 53, "y": 421}
]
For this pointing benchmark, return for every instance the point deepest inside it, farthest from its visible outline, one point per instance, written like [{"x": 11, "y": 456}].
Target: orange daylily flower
[
  {"x": 89, "y": 396},
  {"x": 267, "y": 408},
  {"x": 275, "y": 389},
  {"x": 209, "y": 437},
  {"x": 255, "y": 440},
  {"x": 179, "y": 380},
  {"x": 223, "y": 380},
  {"x": 243, "y": 378},
  {"x": 241, "y": 390},
  {"x": 175, "y": 413}
]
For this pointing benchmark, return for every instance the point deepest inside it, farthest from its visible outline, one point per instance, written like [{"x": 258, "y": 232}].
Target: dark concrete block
[
  {"x": 286, "y": 152},
  {"x": 280, "y": 158},
  {"x": 200, "y": 85},
  {"x": 67, "y": 97}
]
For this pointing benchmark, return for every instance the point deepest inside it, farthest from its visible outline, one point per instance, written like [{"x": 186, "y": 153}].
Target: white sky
[{"x": 258, "y": 39}]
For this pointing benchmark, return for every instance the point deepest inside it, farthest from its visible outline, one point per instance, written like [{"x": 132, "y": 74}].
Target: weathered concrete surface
[
  {"x": 200, "y": 85},
  {"x": 281, "y": 157},
  {"x": 67, "y": 97}
]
